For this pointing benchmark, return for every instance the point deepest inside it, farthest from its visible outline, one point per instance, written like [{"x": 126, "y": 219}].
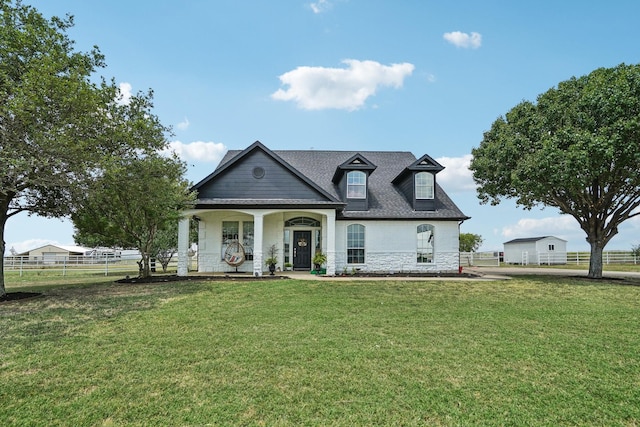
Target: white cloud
[
  {"x": 320, "y": 6},
  {"x": 456, "y": 176},
  {"x": 198, "y": 151},
  {"x": 317, "y": 88},
  {"x": 125, "y": 93},
  {"x": 562, "y": 226},
  {"x": 464, "y": 40},
  {"x": 183, "y": 125}
]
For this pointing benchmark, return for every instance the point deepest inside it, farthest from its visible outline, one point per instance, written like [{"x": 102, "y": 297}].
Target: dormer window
[
  {"x": 356, "y": 185},
  {"x": 424, "y": 183},
  {"x": 417, "y": 182},
  {"x": 352, "y": 180}
]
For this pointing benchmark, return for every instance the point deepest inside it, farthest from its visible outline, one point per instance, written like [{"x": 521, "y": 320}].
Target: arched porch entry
[
  {"x": 296, "y": 234},
  {"x": 301, "y": 239}
]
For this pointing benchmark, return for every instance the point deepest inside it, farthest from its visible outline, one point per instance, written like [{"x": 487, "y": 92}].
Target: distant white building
[
  {"x": 53, "y": 253},
  {"x": 536, "y": 250}
]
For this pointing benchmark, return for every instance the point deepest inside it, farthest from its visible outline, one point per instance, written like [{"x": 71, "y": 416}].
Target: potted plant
[
  {"x": 272, "y": 258},
  {"x": 318, "y": 259},
  {"x": 288, "y": 266}
]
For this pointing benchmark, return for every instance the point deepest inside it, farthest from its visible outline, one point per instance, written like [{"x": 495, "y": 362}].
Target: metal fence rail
[
  {"x": 480, "y": 259},
  {"x": 608, "y": 257},
  {"x": 110, "y": 264},
  {"x": 107, "y": 264},
  {"x": 547, "y": 258}
]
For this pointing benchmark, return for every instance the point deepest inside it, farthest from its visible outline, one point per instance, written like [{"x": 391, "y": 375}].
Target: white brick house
[{"x": 372, "y": 211}]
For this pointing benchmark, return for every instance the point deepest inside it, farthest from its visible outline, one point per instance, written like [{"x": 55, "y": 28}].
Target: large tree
[
  {"x": 134, "y": 200},
  {"x": 576, "y": 149},
  {"x": 57, "y": 125},
  {"x": 49, "y": 114}
]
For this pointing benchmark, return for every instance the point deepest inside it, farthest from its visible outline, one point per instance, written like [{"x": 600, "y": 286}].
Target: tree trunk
[
  {"x": 595, "y": 262},
  {"x": 145, "y": 266},
  {"x": 3, "y": 221}
]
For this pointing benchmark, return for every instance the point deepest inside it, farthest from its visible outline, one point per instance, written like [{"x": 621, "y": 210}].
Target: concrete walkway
[
  {"x": 469, "y": 274},
  {"x": 474, "y": 274},
  {"x": 520, "y": 271}
]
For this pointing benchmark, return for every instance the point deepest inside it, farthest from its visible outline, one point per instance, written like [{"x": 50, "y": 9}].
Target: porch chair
[{"x": 234, "y": 254}]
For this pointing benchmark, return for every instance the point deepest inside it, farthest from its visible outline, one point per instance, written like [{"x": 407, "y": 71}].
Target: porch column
[
  {"x": 183, "y": 247},
  {"x": 331, "y": 243},
  {"x": 258, "y": 225}
]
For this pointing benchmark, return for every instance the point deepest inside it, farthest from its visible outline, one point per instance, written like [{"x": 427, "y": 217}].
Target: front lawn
[{"x": 528, "y": 351}]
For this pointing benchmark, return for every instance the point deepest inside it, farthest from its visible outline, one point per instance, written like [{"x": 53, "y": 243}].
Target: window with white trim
[
  {"x": 230, "y": 230},
  {"x": 424, "y": 183},
  {"x": 355, "y": 244},
  {"x": 356, "y": 185},
  {"x": 425, "y": 234},
  {"x": 247, "y": 239}
]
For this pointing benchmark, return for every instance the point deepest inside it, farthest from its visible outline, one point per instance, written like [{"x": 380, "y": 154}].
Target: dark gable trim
[
  {"x": 356, "y": 162},
  {"x": 259, "y": 146},
  {"x": 362, "y": 216},
  {"x": 267, "y": 204},
  {"x": 423, "y": 164}
]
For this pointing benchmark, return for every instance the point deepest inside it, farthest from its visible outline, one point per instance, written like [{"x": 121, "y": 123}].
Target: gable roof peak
[
  {"x": 425, "y": 163},
  {"x": 222, "y": 168},
  {"x": 357, "y": 162}
]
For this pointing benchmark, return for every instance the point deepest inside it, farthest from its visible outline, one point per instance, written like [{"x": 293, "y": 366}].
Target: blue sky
[{"x": 416, "y": 75}]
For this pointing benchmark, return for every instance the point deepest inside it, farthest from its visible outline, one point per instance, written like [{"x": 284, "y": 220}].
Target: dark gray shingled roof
[
  {"x": 531, "y": 239},
  {"x": 385, "y": 200}
]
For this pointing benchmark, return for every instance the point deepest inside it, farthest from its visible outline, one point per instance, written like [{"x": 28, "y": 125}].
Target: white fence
[
  {"x": 106, "y": 263},
  {"x": 547, "y": 258},
  {"x": 109, "y": 264},
  {"x": 577, "y": 258},
  {"x": 543, "y": 258},
  {"x": 480, "y": 259},
  {"x": 608, "y": 257}
]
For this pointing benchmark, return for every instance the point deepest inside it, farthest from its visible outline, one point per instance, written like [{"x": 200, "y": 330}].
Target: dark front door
[{"x": 302, "y": 250}]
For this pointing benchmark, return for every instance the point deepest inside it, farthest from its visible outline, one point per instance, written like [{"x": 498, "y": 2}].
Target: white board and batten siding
[{"x": 536, "y": 250}]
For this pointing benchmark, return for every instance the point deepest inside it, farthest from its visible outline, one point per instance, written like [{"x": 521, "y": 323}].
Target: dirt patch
[{"x": 197, "y": 278}]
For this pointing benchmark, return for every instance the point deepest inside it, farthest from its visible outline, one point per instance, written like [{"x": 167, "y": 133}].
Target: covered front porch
[{"x": 296, "y": 234}]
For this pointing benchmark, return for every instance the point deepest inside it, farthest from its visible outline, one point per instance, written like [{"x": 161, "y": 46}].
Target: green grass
[
  {"x": 44, "y": 278},
  {"x": 582, "y": 267},
  {"x": 528, "y": 351},
  {"x": 41, "y": 280}
]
